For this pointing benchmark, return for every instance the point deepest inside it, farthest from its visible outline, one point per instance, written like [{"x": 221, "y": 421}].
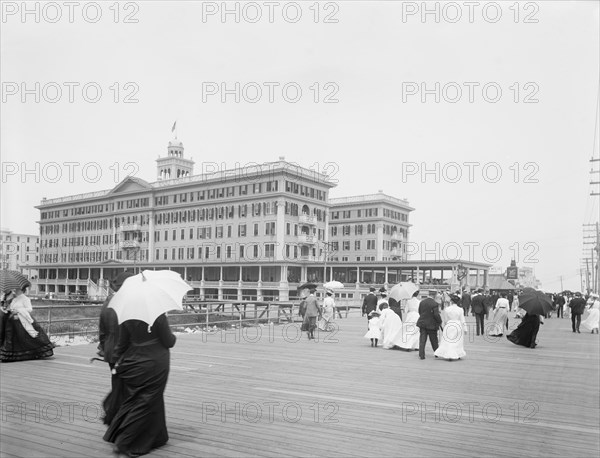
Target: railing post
[
  {"x": 207, "y": 316},
  {"x": 49, "y": 319}
]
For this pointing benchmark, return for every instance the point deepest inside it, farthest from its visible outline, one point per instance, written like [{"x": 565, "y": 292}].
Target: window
[
  {"x": 357, "y": 244},
  {"x": 346, "y": 245},
  {"x": 269, "y": 250},
  {"x": 219, "y": 232},
  {"x": 242, "y": 230},
  {"x": 270, "y": 228},
  {"x": 255, "y": 229}
]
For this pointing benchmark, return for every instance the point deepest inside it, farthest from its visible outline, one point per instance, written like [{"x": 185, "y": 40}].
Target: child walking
[{"x": 374, "y": 333}]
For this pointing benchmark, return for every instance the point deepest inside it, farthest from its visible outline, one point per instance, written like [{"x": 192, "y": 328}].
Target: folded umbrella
[
  {"x": 403, "y": 290},
  {"x": 148, "y": 295}
]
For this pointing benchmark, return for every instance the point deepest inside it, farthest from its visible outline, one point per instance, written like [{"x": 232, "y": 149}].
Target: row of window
[
  {"x": 142, "y": 202},
  {"x": 203, "y": 232},
  {"x": 206, "y": 252},
  {"x": 368, "y": 213},
  {"x": 200, "y": 214},
  {"x": 8, "y": 238},
  {"x": 388, "y": 229},
  {"x": 217, "y": 193}
]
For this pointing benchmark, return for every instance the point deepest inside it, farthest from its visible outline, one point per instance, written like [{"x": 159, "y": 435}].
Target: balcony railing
[
  {"x": 307, "y": 219},
  {"x": 397, "y": 236},
  {"x": 129, "y": 227},
  {"x": 129, "y": 244},
  {"x": 306, "y": 239}
]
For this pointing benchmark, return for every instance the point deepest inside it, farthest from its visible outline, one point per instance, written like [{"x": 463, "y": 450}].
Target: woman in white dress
[
  {"x": 452, "y": 343},
  {"x": 591, "y": 322},
  {"x": 390, "y": 325},
  {"x": 498, "y": 325},
  {"x": 408, "y": 338},
  {"x": 325, "y": 323}
]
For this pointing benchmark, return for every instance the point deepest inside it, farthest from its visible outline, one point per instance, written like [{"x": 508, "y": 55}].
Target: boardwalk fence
[{"x": 67, "y": 321}]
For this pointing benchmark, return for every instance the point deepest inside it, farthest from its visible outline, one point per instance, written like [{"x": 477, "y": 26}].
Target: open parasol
[
  {"x": 333, "y": 284},
  {"x": 403, "y": 290},
  {"x": 11, "y": 280},
  {"x": 535, "y": 302},
  {"x": 148, "y": 295}
]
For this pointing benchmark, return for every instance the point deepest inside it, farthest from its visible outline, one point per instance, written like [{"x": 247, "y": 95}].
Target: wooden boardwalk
[{"x": 270, "y": 394}]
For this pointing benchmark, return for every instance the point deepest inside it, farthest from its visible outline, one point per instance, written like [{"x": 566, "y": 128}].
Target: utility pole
[{"x": 561, "y": 283}]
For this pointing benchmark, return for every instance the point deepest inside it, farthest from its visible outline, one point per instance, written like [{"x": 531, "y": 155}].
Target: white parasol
[
  {"x": 403, "y": 290},
  {"x": 148, "y": 295}
]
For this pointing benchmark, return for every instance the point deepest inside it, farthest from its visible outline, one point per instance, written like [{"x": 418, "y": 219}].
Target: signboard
[{"x": 512, "y": 273}]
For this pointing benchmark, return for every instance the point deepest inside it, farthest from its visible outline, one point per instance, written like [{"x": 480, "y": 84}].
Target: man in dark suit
[
  {"x": 429, "y": 322},
  {"x": 369, "y": 304},
  {"x": 577, "y": 305},
  {"x": 465, "y": 302},
  {"x": 478, "y": 309},
  {"x": 559, "y": 301}
]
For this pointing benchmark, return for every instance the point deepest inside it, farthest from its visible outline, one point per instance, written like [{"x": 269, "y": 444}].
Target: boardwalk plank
[{"x": 407, "y": 407}]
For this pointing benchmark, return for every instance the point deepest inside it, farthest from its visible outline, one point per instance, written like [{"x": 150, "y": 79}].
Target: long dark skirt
[
  {"x": 139, "y": 425},
  {"x": 526, "y": 332},
  {"x": 113, "y": 400},
  {"x": 18, "y": 345}
]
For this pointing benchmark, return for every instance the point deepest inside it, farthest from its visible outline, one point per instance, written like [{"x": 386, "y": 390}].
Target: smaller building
[
  {"x": 19, "y": 252},
  {"x": 372, "y": 227}
]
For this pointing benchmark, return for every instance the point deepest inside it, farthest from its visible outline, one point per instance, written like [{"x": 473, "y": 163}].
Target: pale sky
[{"x": 374, "y": 60}]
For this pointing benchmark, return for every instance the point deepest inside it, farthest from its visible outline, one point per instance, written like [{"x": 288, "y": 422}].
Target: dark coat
[
  {"x": 577, "y": 305},
  {"x": 369, "y": 303},
  {"x": 429, "y": 315},
  {"x": 108, "y": 332},
  {"x": 478, "y": 303},
  {"x": 466, "y": 300},
  {"x": 395, "y": 306},
  {"x": 312, "y": 307}
]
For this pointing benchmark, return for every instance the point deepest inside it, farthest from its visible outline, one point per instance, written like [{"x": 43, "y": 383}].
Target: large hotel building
[{"x": 248, "y": 233}]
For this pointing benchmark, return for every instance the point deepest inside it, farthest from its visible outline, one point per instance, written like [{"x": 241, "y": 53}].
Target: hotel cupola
[{"x": 174, "y": 165}]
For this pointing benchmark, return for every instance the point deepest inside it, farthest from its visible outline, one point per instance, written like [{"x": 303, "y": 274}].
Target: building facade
[
  {"x": 369, "y": 228},
  {"x": 19, "y": 252},
  {"x": 248, "y": 233}
]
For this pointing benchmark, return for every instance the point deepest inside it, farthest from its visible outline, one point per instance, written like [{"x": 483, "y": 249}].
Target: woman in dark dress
[
  {"x": 143, "y": 369},
  {"x": 21, "y": 337},
  {"x": 526, "y": 332}
]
